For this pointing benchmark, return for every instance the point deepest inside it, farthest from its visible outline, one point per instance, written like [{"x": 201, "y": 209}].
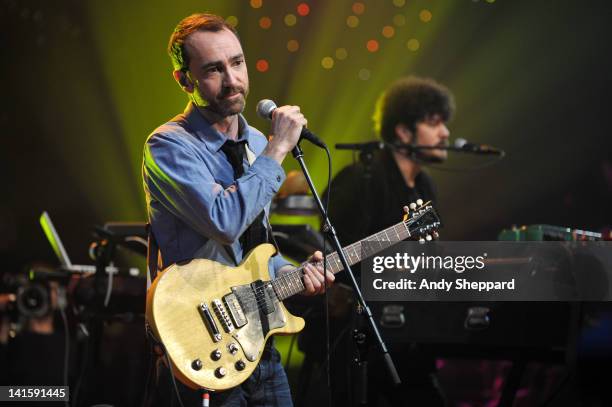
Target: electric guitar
[{"x": 214, "y": 320}]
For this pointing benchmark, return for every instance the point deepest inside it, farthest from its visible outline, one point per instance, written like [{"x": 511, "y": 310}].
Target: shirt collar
[{"x": 212, "y": 137}]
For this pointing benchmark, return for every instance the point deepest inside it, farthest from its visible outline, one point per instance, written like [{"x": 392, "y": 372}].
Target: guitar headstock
[{"x": 422, "y": 221}]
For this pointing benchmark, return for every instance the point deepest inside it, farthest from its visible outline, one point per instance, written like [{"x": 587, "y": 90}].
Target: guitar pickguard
[{"x": 262, "y": 313}]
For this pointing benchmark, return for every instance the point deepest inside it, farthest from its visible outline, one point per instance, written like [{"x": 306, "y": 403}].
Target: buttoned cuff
[
  {"x": 278, "y": 262},
  {"x": 272, "y": 172}
]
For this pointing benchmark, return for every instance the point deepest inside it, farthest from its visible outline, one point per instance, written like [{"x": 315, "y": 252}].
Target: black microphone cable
[{"x": 326, "y": 308}]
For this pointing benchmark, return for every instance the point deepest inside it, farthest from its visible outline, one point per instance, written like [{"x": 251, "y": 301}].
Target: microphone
[
  {"x": 265, "y": 107},
  {"x": 463, "y": 145}
]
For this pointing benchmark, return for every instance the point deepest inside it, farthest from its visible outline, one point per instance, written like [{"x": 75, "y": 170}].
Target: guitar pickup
[
  {"x": 235, "y": 310},
  {"x": 209, "y": 321},
  {"x": 228, "y": 326}
]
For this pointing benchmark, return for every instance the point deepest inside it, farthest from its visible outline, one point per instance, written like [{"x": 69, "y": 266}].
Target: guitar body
[{"x": 214, "y": 319}]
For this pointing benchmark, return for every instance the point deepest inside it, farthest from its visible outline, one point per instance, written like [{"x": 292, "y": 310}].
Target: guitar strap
[{"x": 154, "y": 260}]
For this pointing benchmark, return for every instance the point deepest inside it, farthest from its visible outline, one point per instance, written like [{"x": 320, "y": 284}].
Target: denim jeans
[{"x": 266, "y": 387}]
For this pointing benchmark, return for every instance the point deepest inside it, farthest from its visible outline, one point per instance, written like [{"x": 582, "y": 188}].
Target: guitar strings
[
  {"x": 255, "y": 297},
  {"x": 279, "y": 289},
  {"x": 258, "y": 292}
]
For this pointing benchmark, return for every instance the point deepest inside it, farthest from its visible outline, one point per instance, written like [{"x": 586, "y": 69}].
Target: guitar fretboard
[{"x": 291, "y": 283}]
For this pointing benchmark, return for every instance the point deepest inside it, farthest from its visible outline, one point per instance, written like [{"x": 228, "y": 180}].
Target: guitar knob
[
  {"x": 240, "y": 365},
  {"x": 419, "y": 202},
  {"x": 233, "y": 348},
  {"x": 428, "y": 238},
  {"x": 215, "y": 354},
  {"x": 196, "y": 364},
  {"x": 220, "y": 372},
  {"x": 421, "y": 240}
]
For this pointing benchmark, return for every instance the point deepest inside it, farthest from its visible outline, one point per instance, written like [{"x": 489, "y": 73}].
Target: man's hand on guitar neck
[{"x": 313, "y": 275}]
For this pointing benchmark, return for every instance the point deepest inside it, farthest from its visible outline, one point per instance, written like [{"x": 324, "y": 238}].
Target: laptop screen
[{"x": 54, "y": 240}]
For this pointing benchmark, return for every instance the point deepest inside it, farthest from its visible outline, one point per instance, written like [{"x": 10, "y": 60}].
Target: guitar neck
[{"x": 291, "y": 283}]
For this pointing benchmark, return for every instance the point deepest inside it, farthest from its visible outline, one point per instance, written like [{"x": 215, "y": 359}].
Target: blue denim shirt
[{"x": 195, "y": 206}]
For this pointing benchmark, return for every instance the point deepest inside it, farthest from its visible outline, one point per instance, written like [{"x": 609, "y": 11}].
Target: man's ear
[
  {"x": 183, "y": 80},
  {"x": 403, "y": 134}
]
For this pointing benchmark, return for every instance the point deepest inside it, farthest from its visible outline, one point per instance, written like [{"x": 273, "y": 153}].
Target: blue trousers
[{"x": 266, "y": 387}]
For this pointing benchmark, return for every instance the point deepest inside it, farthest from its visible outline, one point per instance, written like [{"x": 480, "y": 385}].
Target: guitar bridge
[{"x": 209, "y": 321}]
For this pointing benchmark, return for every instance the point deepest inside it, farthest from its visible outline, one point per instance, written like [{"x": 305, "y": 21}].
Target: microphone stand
[
  {"x": 298, "y": 154},
  {"x": 369, "y": 147},
  {"x": 469, "y": 150}
]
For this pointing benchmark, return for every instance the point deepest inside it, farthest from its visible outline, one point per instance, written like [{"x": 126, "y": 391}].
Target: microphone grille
[
  {"x": 265, "y": 107},
  {"x": 460, "y": 142}
]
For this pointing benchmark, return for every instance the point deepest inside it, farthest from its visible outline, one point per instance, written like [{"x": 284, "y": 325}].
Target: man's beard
[
  {"x": 430, "y": 159},
  {"x": 422, "y": 156},
  {"x": 224, "y": 107}
]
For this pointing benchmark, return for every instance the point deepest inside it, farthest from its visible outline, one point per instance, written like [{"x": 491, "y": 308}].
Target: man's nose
[
  {"x": 230, "y": 79},
  {"x": 444, "y": 132}
]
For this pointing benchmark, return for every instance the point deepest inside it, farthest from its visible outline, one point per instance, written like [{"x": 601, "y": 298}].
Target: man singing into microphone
[
  {"x": 368, "y": 197},
  {"x": 209, "y": 179}
]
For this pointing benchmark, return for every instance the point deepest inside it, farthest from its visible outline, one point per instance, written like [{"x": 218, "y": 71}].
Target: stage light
[
  {"x": 358, "y": 8},
  {"x": 388, "y": 31},
  {"x": 293, "y": 45},
  {"x": 341, "y": 53},
  {"x": 327, "y": 62},
  {"x": 265, "y": 22},
  {"x": 364, "y": 74},
  {"x": 413, "y": 44},
  {"x": 262, "y": 65},
  {"x": 232, "y": 20},
  {"x": 352, "y": 21},
  {"x": 399, "y": 3},
  {"x": 372, "y": 45},
  {"x": 256, "y": 3},
  {"x": 425, "y": 15},
  {"x": 303, "y": 9},
  {"x": 290, "y": 20}
]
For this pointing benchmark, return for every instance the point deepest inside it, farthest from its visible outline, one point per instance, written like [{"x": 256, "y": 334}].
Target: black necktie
[{"x": 255, "y": 234}]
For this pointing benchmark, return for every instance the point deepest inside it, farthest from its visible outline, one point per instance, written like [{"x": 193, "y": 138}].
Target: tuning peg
[
  {"x": 419, "y": 202},
  {"x": 412, "y": 206}
]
